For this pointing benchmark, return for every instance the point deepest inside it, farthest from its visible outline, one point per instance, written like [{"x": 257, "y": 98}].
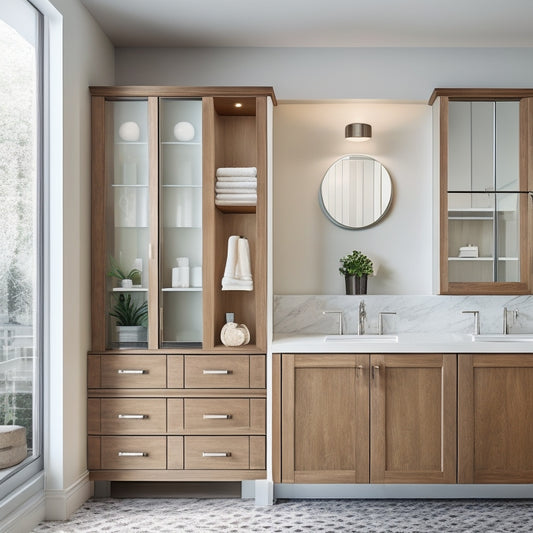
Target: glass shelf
[
  {"x": 182, "y": 289},
  {"x": 482, "y": 258},
  {"x": 131, "y": 289},
  {"x": 189, "y": 143}
]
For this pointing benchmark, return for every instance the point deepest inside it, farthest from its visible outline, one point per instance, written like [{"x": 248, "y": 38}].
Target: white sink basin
[
  {"x": 362, "y": 339},
  {"x": 500, "y": 337}
]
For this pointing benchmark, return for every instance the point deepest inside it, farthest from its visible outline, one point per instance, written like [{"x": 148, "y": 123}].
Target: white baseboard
[{"x": 60, "y": 504}]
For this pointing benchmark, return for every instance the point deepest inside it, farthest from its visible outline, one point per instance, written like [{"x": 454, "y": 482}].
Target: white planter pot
[{"x": 131, "y": 334}]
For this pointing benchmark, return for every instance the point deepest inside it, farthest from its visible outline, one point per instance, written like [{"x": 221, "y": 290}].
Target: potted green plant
[
  {"x": 131, "y": 318},
  {"x": 127, "y": 279},
  {"x": 355, "y": 268}
]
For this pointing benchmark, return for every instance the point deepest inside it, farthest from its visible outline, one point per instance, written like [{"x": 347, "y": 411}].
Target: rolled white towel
[
  {"x": 236, "y": 185},
  {"x": 243, "y": 270},
  {"x": 235, "y": 202},
  {"x": 231, "y": 259},
  {"x": 250, "y": 197},
  {"x": 229, "y": 179},
  {"x": 237, "y": 171}
]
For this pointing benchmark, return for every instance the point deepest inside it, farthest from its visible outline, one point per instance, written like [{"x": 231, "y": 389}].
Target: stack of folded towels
[
  {"x": 236, "y": 186},
  {"x": 238, "y": 273}
]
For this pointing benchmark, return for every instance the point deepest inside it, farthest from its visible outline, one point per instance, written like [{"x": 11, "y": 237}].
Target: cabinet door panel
[
  {"x": 413, "y": 418},
  {"x": 495, "y": 399},
  {"x": 325, "y": 419}
]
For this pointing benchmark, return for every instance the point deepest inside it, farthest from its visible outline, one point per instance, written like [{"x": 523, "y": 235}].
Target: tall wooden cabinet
[
  {"x": 167, "y": 400},
  {"x": 356, "y": 418},
  {"x": 483, "y": 167}
]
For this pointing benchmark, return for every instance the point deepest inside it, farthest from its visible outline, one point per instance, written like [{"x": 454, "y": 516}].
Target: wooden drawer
[
  {"x": 220, "y": 416},
  {"x": 134, "y": 371},
  {"x": 136, "y": 453},
  {"x": 132, "y": 416},
  {"x": 217, "y": 371},
  {"x": 217, "y": 453}
]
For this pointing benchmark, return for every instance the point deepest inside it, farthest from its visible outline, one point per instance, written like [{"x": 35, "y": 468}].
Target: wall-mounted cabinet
[
  {"x": 156, "y": 151},
  {"x": 482, "y": 168}
]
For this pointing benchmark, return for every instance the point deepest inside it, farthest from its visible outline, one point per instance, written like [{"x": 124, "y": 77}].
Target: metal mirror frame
[{"x": 384, "y": 174}]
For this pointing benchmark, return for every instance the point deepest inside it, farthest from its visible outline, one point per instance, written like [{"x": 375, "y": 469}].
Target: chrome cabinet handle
[
  {"x": 375, "y": 369},
  {"x": 133, "y": 454},
  {"x": 210, "y": 417},
  {"x": 136, "y": 417},
  {"x": 132, "y": 371},
  {"x": 216, "y": 454},
  {"x": 217, "y": 371}
]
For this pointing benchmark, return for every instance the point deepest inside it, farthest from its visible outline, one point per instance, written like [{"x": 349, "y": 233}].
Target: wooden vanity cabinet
[
  {"x": 483, "y": 172},
  {"x": 324, "y": 418},
  {"x": 346, "y": 418},
  {"x": 495, "y": 433}
]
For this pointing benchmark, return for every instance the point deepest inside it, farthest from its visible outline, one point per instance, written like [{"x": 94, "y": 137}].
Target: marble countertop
[{"x": 405, "y": 343}]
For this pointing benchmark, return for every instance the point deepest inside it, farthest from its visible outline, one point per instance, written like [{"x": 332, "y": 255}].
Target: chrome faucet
[
  {"x": 514, "y": 314},
  {"x": 380, "y": 320},
  {"x": 362, "y": 318},
  {"x": 476, "y": 320}
]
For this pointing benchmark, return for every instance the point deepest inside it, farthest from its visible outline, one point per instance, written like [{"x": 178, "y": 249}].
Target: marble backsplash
[{"x": 302, "y": 314}]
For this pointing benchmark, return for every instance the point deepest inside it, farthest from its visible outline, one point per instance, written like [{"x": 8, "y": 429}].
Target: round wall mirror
[{"x": 356, "y": 192}]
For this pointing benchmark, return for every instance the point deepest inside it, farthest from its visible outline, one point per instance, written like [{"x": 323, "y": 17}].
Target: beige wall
[{"x": 308, "y": 138}]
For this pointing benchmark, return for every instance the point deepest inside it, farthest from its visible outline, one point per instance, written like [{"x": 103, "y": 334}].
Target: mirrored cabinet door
[
  {"x": 180, "y": 195},
  {"x": 483, "y": 221},
  {"x": 128, "y": 228},
  {"x": 484, "y": 167}
]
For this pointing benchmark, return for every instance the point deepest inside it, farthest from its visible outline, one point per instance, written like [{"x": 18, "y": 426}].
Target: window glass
[{"x": 20, "y": 233}]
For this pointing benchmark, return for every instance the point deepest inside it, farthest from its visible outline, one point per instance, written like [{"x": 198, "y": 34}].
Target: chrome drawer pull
[
  {"x": 210, "y": 417},
  {"x": 217, "y": 371},
  {"x": 132, "y": 371},
  {"x": 216, "y": 454},
  {"x": 136, "y": 417},
  {"x": 133, "y": 454}
]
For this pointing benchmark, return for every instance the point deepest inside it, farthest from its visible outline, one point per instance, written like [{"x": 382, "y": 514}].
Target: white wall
[
  {"x": 88, "y": 59},
  {"x": 325, "y": 73},
  {"x": 308, "y": 138}
]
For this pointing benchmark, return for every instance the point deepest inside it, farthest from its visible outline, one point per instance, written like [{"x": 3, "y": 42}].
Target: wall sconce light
[{"x": 358, "y": 132}]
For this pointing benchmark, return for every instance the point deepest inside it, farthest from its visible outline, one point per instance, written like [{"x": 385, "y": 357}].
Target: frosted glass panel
[
  {"x": 181, "y": 221},
  {"x": 128, "y": 215}
]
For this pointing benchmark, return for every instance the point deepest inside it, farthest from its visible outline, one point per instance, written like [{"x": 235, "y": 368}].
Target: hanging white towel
[
  {"x": 237, "y": 171},
  {"x": 231, "y": 284},
  {"x": 238, "y": 273},
  {"x": 243, "y": 270},
  {"x": 231, "y": 259}
]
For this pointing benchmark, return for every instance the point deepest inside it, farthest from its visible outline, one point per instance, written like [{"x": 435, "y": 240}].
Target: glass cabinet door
[
  {"x": 484, "y": 192},
  {"x": 180, "y": 254},
  {"x": 127, "y": 213}
]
